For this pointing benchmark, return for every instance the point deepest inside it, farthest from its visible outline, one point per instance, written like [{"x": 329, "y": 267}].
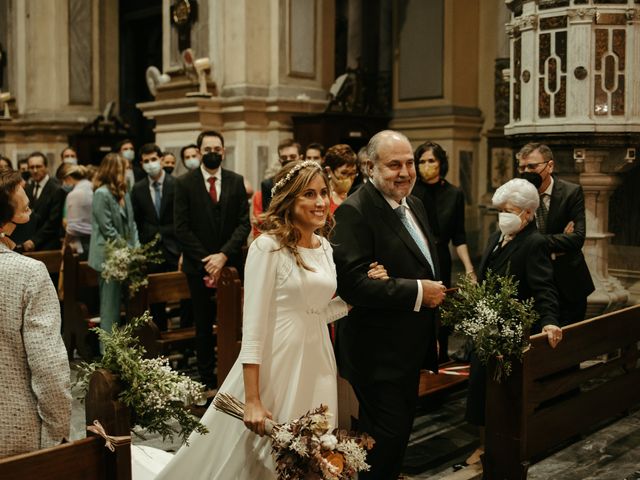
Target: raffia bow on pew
[{"x": 111, "y": 441}]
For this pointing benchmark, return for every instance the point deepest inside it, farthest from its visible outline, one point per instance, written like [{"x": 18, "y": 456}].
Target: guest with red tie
[{"x": 212, "y": 224}]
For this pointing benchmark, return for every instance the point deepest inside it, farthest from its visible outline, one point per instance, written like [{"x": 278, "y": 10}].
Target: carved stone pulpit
[{"x": 574, "y": 85}]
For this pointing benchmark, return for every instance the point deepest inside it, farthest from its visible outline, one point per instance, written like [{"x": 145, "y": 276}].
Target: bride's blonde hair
[{"x": 289, "y": 183}]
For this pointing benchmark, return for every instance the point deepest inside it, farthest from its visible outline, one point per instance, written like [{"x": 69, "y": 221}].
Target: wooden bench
[
  {"x": 52, "y": 259},
  {"x": 168, "y": 287},
  {"x": 541, "y": 404},
  {"x": 85, "y": 459},
  {"x": 229, "y": 332},
  {"x": 80, "y": 304}
]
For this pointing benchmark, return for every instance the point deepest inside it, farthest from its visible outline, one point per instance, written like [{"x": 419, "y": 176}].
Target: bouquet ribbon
[{"x": 111, "y": 441}]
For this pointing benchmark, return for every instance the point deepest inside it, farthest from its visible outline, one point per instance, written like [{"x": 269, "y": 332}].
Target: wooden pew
[
  {"x": 541, "y": 404},
  {"x": 85, "y": 459},
  {"x": 169, "y": 287},
  {"x": 81, "y": 303},
  {"x": 229, "y": 331},
  {"x": 52, "y": 259}
]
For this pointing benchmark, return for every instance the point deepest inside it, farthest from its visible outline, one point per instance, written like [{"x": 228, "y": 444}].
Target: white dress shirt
[{"x": 217, "y": 176}]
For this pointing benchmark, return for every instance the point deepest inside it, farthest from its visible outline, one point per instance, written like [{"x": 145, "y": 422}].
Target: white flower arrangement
[
  {"x": 491, "y": 315},
  {"x": 307, "y": 447},
  {"x": 292, "y": 173}
]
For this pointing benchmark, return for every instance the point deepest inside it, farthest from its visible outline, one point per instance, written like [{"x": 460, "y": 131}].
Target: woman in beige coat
[{"x": 35, "y": 398}]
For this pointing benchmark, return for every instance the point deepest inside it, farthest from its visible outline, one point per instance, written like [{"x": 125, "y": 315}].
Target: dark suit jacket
[
  {"x": 204, "y": 228},
  {"x": 570, "y": 269},
  {"x": 382, "y": 338},
  {"x": 265, "y": 186},
  {"x": 147, "y": 219},
  {"x": 444, "y": 204},
  {"x": 46, "y": 219},
  {"x": 527, "y": 258}
]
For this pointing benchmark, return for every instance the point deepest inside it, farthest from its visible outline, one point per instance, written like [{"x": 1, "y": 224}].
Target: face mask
[
  {"x": 192, "y": 163},
  {"x": 129, "y": 178},
  {"x": 129, "y": 154},
  {"x": 70, "y": 160},
  {"x": 429, "y": 171},
  {"x": 169, "y": 170},
  {"x": 342, "y": 185},
  {"x": 25, "y": 175},
  {"x": 533, "y": 178},
  {"x": 152, "y": 168},
  {"x": 66, "y": 187},
  {"x": 509, "y": 223},
  {"x": 212, "y": 160}
]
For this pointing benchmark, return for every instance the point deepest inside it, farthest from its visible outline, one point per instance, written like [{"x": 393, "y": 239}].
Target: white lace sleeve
[{"x": 259, "y": 288}]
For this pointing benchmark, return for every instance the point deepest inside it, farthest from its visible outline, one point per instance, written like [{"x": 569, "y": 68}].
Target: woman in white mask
[
  {"x": 517, "y": 249},
  {"x": 340, "y": 165},
  {"x": 190, "y": 155}
]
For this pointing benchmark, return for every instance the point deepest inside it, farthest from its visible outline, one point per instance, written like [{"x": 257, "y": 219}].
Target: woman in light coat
[{"x": 35, "y": 403}]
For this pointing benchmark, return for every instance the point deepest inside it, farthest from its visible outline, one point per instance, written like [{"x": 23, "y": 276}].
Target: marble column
[{"x": 598, "y": 185}]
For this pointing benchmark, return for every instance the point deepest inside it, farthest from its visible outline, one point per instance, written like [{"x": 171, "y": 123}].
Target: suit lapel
[
  {"x": 557, "y": 195},
  {"x": 426, "y": 230},
  {"x": 394, "y": 223},
  {"x": 146, "y": 196},
  {"x": 167, "y": 189},
  {"x": 493, "y": 242},
  {"x": 205, "y": 199}
]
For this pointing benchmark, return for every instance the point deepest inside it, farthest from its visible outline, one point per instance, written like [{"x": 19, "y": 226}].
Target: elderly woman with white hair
[{"x": 517, "y": 249}]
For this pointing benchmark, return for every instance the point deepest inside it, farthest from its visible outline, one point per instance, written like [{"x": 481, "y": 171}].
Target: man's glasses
[
  {"x": 289, "y": 158},
  {"x": 530, "y": 166}
]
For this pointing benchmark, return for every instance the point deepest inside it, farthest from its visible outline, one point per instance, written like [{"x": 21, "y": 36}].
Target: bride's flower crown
[{"x": 292, "y": 173}]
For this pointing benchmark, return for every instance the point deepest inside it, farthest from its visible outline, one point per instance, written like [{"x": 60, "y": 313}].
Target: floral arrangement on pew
[
  {"x": 156, "y": 394},
  {"x": 305, "y": 448},
  {"x": 495, "y": 320},
  {"x": 130, "y": 265}
]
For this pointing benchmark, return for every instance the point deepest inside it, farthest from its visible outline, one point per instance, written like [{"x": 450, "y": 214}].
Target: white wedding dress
[{"x": 286, "y": 311}]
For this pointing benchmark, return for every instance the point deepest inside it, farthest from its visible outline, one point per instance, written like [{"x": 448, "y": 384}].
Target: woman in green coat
[{"x": 111, "y": 218}]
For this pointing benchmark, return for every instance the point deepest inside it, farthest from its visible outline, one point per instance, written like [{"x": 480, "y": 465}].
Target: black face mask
[
  {"x": 25, "y": 175},
  {"x": 532, "y": 177},
  {"x": 212, "y": 160},
  {"x": 169, "y": 170}
]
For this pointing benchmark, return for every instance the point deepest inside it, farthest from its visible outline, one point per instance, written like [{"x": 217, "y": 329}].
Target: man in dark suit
[
  {"x": 152, "y": 199},
  {"x": 43, "y": 232},
  {"x": 212, "y": 224},
  {"x": 561, "y": 219},
  {"x": 390, "y": 333},
  {"x": 288, "y": 151}
]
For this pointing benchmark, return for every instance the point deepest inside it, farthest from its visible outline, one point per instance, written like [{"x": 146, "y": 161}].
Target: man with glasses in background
[
  {"x": 561, "y": 219},
  {"x": 288, "y": 151}
]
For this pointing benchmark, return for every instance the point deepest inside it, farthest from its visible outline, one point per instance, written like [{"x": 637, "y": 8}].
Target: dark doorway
[{"x": 140, "y": 47}]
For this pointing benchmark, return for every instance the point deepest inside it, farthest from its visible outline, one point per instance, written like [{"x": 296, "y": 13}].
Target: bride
[{"x": 286, "y": 364}]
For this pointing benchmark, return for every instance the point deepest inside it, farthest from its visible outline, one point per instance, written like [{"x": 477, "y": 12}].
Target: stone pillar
[
  {"x": 598, "y": 185},
  {"x": 270, "y": 60}
]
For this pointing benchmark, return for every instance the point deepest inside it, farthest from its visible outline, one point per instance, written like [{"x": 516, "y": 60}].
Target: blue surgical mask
[
  {"x": 129, "y": 154},
  {"x": 70, "y": 160},
  {"x": 67, "y": 187},
  {"x": 152, "y": 168},
  {"x": 192, "y": 163}
]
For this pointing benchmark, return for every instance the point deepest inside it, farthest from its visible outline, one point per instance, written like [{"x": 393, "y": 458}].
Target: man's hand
[
  {"x": 569, "y": 227},
  {"x": 432, "y": 293},
  {"x": 213, "y": 264},
  {"x": 28, "y": 246}
]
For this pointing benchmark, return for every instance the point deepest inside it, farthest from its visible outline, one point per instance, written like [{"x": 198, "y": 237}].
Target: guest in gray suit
[
  {"x": 35, "y": 404},
  {"x": 111, "y": 218}
]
